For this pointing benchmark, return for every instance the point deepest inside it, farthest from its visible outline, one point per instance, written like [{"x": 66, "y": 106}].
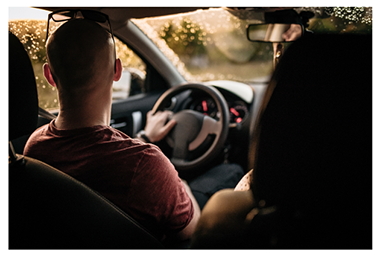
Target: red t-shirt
[{"x": 135, "y": 176}]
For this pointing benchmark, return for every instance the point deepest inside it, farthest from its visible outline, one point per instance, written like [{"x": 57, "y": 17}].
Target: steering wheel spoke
[{"x": 209, "y": 126}]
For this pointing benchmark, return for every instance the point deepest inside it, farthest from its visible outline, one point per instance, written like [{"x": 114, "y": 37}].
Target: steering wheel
[{"x": 192, "y": 128}]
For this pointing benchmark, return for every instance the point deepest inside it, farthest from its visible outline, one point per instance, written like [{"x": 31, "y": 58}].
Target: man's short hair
[{"x": 75, "y": 51}]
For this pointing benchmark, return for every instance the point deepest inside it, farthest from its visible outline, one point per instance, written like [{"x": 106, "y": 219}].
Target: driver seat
[{"x": 47, "y": 208}]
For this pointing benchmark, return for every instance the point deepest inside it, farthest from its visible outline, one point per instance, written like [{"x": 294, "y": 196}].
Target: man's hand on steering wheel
[{"x": 156, "y": 127}]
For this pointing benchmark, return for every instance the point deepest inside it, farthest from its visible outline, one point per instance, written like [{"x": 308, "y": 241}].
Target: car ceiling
[{"x": 120, "y": 15}]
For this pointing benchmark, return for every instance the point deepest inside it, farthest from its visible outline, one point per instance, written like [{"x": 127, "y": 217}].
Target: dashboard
[
  {"x": 206, "y": 105},
  {"x": 239, "y": 97}
]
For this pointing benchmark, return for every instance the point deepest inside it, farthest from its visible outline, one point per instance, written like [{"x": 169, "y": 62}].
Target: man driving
[{"x": 134, "y": 175}]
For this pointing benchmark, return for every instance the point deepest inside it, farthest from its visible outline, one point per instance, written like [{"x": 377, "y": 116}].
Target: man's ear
[
  {"x": 118, "y": 70},
  {"x": 48, "y": 75}
]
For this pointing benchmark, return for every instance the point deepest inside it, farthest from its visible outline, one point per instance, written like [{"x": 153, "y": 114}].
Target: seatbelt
[{"x": 45, "y": 114}]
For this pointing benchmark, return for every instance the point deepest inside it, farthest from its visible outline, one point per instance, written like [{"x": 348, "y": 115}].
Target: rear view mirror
[{"x": 274, "y": 32}]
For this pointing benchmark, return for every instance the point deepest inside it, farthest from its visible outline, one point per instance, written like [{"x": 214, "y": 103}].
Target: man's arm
[
  {"x": 188, "y": 231},
  {"x": 155, "y": 130}
]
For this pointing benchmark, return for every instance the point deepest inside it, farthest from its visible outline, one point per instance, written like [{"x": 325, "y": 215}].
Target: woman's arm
[{"x": 226, "y": 214}]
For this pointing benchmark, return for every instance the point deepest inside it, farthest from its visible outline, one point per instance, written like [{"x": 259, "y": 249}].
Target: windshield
[
  {"x": 212, "y": 44},
  {"x": 209, "y": 45}
]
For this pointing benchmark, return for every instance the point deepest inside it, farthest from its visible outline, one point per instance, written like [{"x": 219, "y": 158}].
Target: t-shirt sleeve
[
  {"x": 157, "y": 194},
  {"x": 32, "y": 147}
]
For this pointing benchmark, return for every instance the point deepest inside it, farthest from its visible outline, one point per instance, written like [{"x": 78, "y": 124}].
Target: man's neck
[
  {"x": 89, "y": 109},
  {"x": 69, "y": 119}
]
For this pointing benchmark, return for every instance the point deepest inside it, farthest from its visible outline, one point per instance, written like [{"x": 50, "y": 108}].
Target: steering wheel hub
[{"x": 189, "y": 124}]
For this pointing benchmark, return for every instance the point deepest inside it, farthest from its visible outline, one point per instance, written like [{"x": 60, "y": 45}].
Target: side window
[
  {"x": 32, "y": 34},
  {"x": 134, "y": 71}
]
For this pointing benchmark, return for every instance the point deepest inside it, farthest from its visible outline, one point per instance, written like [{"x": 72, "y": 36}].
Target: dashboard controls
[
  {"x": 238, "y": 109},
  {"x": 238, "y": 112},
  {"x": 206, "y": 106}
]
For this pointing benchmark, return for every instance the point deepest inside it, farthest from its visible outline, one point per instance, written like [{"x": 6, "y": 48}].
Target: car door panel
[{"x": 129, "y": 115}]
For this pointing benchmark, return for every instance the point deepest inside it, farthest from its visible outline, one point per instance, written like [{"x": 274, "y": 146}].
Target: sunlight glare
[{"x": 16, "y": 13}]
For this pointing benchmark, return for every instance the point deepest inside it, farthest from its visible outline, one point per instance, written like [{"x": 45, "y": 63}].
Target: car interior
[{"x": 307, "y": 134}]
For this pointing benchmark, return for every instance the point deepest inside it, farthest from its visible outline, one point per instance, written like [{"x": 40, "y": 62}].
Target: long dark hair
[{"x": 313, "y": 145}]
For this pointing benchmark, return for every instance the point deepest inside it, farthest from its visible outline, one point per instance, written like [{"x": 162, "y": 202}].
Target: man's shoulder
[
  {"x": 126, "y": 145},
  {"x": 38, "y": 136},
  {"x": 40, "y": 131}
]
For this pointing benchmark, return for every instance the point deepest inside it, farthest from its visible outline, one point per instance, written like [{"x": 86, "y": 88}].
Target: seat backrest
[
  {"x": 47, "y": 208},
  {"x": 50, "y": 210},
  {"x": 23, "y": 99},
  {"x": 313, "y": 158}
]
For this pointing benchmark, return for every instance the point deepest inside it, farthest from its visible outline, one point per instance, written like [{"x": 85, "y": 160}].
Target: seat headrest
[
  {"x": 23, "y": 99},
  {"x": 315, "y": 137}
]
